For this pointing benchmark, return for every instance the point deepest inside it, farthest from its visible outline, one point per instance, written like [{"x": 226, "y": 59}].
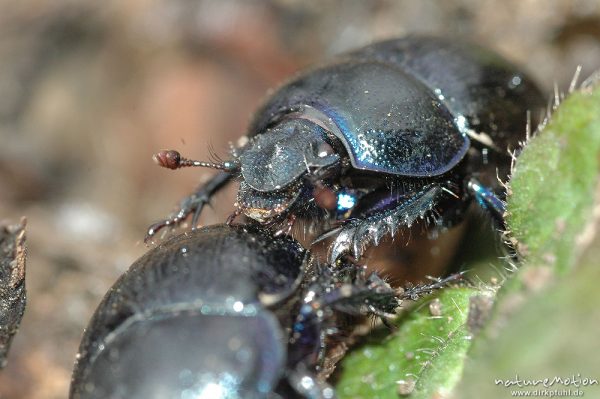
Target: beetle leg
[
  {"x": 348, "y": 292},
  {"x": 487, "y": 200},
  {"x": 364, "y": 296},
  {"x": 415, "y": 292},
  {"x": 372, "y": 296},
  {"x": 357, "y": 234},
  {"x": 194, "y": 203}
]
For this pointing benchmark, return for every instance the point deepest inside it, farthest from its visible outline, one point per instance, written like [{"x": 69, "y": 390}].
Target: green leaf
[
  {"x": 551, "y": 334},
  {"x": 424, "y": 356},
  {"x": 546, "y": 320},
  {"x": 554, "y": 181}
]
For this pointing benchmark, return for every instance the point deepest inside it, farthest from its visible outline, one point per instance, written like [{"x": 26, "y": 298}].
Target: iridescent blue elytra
[
  {"x": 388, "y": 121},
  {"x": 410, "y": 126}
]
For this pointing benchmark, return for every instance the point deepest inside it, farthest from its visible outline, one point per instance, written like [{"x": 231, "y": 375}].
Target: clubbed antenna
[{"x": 172, "y": 159}]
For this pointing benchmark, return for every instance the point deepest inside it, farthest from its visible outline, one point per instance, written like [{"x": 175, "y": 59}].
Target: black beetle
[
  {"x": 221, "y": 312},
  {"x": 382, "y": 136}
]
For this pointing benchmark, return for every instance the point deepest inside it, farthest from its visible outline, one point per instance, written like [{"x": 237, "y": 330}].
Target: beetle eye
[{"x": 325, "y": 150}]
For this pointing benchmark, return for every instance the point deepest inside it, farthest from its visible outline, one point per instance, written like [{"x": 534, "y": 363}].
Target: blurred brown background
[{"x": 90, "y": 89}]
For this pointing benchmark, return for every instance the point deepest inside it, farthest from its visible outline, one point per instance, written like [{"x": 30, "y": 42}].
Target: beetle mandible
[{"x": 400, "y": 130}]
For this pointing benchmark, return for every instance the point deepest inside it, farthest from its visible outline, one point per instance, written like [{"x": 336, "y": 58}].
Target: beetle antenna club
[{"x": 172, "y": 159}]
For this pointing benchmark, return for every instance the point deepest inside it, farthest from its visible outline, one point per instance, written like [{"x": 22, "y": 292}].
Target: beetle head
[
  {"x": 273, "y": 164},
  {"x": 276, "y": 158}
]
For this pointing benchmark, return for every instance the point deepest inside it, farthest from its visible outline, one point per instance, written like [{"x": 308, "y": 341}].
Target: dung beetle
[
  {"x": 400, "y": 130},
  {"x": 221, "y": 312}
]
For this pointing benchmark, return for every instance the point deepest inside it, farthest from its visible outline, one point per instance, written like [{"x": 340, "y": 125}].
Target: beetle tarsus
[
  {"x": 487, "y": 199},
  {"x": 194, "y": 203},
  {"x": 415, "y": 292}
]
